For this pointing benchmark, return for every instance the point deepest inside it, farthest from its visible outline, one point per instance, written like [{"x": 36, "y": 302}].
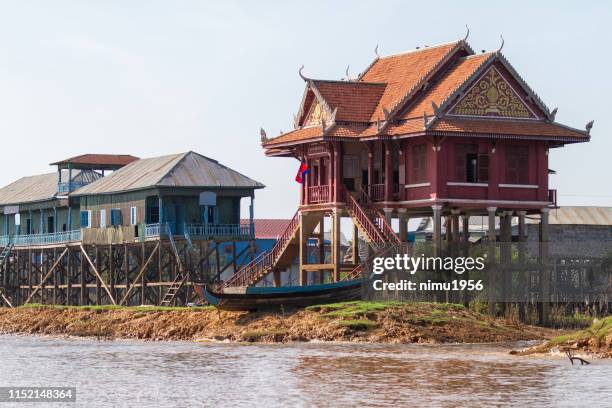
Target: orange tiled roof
[
  {"x": 355, "y": 101},
  {"x": 389, "y": 80},
  {"x": 415, "y": 125},
  {"x": 402, "y": 72},
  {"x": 310, "y": 132},
  {"x": 444, "y": 87},
  {"x": 506, "y": 127}
]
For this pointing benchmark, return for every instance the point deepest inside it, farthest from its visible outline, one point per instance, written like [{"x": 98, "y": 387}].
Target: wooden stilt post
[{"x": 303, "y": 243}]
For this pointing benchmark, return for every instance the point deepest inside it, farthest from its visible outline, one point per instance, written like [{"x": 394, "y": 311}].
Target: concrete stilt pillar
[
  {"x": 493, "y": 281},
  {"x": 544, "y": 305},
  {"x": 355, "y": 245},
  {"x": 336, "y": 250},
  {"x": 522, "y": 281},
  {"x": 437, "y": 229},
  {"x": 403, "y": 225},
  {"x": 465, "y": 219},
  {"x": 465, "y": 251},
  {"x": 505, "y": 232}
]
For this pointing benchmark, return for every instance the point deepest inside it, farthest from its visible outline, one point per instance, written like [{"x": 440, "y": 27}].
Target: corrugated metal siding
[
  {"x": 578, "y": 215},
  {"x": 179, "y": 170}
]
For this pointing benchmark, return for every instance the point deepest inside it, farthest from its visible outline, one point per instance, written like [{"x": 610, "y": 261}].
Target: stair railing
[
  {"x": 359, "y": 271},
  {"x": 260, "y": 266},
  {"x": 364, "y": 219},
  {"x": 378, "y": 217}
]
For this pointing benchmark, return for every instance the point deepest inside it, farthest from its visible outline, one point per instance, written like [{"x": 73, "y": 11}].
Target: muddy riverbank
[
  {"x": 355, "y": 321},
  {"x": 594, "y": 341}
]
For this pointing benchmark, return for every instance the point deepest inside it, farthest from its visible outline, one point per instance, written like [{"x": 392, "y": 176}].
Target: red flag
[{"x": 302, "y": 172}]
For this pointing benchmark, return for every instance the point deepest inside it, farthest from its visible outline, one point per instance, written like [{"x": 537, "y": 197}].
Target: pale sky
[{"x": 152, "y": 78}]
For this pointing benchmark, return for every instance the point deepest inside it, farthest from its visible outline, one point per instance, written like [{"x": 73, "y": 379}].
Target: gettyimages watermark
[
  {"x": 37, "y": 394},
  {"x": 511, "y": 272},
  {"x": 423, "y": 264}
]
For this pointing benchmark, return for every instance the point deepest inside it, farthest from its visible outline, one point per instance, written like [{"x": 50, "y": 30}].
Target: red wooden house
[{"x": 439, "y": 131}]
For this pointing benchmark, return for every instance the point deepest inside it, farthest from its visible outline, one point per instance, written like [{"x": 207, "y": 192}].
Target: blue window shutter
[{"x": 84, "y": 219}]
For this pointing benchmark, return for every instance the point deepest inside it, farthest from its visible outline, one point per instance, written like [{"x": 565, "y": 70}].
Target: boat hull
[{"x": 261, "y": 298}]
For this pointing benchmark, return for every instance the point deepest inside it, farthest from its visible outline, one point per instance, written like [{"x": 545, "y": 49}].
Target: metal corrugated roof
[
  {"x": 188, "y": 169},
  {"x": 103, "y": 159},
  {"x": 30, "y": 189},
  {"x": 41, "y": 187}
]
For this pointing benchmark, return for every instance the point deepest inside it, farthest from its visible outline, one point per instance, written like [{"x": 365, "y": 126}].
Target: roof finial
[
  {"x": 467, "y": 34},
  {"x": 376, "y": 52},
  {"x": 502, "y": 44},
  {"x": 589, "y": 126},
  {"x": 264, "y": 136},
  {"x": 302, "y": 75},
  {"x": 553, "y": 114},
  {"x": 348, "y": 78}
]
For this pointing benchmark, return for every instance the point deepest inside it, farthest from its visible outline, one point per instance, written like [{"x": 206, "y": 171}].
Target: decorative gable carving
[
  {"x": 492, "y": 96},
  {"x": 316, "y": 115}
]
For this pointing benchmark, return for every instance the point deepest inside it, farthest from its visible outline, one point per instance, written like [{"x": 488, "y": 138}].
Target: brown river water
[{"x": 183, "y": 374}]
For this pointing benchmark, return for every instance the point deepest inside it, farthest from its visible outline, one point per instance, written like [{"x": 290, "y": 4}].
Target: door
[
  {"x": 180, "y": 219},
  {"x": 51, "y": 224},
  {"x": 174, "y": 215}
]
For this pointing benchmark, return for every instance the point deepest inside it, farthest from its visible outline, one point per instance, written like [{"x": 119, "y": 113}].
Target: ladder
[
  {"x": 181, "y": 277},
  {"x": 6, "y": 251}
]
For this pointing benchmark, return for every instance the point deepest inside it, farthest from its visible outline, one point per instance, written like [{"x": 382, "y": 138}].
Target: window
[
  {"x": 470, "y": 167},
  {"x": 419, "y": 163},
  {"x": 153, "y": 215},
  {"x": 86, "y": 219},
  {"x": 116, "y": 218},
  {"x": 103, "y": 218},
  {"x": 517, "y": 164},
  {"x": 133, "y": 215}
]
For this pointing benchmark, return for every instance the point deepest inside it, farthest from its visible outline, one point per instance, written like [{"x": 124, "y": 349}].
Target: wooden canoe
[{"x": 260, "y": 298}]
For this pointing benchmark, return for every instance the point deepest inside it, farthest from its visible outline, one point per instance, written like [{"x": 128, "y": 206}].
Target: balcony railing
[
  {"x": 46, "y": 239},
  {"x": 376, "y": 191},
  {"x": 318, "y": 194},
  {"x": 68, "y": 187},
  {"x": 202, "y": 230},
  {"x": 152, "y": 230},
  {"x": 4, "y": 240},
  {"x": 219, "y": 230}
]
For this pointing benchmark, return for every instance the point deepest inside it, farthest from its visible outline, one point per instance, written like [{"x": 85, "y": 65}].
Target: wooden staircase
[
  {"x": 181, "y": 277},
  {"x": 6, "y": 251},
  {"x": 367, "y": 218},
  {"x": 280, "y": 256},
  {"x": 370, "y": 221}
]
